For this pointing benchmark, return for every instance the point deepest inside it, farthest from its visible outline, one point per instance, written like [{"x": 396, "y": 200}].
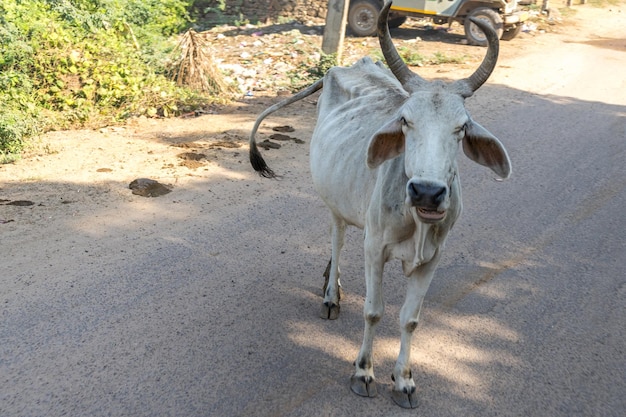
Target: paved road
[{"x": 218, "y": 316}]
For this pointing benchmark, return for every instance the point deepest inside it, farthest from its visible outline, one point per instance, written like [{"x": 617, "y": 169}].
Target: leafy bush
[
  {"x": 309, "y": 71},
  {"x": 86, "y": 62},
  {"x": 15, "y": 128}
]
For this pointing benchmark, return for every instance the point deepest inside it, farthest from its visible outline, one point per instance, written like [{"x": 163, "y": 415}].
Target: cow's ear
[
  {"x": 485, "y": 149},
  {"x": 387, "y": 143}
]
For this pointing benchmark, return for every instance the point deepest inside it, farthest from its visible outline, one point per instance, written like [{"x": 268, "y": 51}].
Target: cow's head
[{"x": 431, "y": 125}]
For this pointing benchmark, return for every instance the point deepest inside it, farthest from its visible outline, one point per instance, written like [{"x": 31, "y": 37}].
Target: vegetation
[
  {"x": 85, "y": 63},
  {"x": 413, "y": 58},
  {"x": 209, "y": 13},
  {"x": 441, "y": 58},
  {"x": 310, "y": 71},
  {"x": 193, "y": 66}
]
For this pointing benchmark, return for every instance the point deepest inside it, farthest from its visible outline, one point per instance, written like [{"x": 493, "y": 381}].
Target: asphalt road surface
[{"x": 216, "y": 314}]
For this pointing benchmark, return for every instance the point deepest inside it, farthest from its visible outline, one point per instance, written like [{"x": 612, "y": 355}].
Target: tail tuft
[{"x": 259, "y": 164}]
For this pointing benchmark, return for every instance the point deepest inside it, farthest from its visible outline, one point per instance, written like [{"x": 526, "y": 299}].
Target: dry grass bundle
[{"x": 194, "y": 66}]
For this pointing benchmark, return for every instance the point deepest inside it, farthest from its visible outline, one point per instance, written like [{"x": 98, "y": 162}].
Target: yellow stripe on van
[{"x": 406, "y": 9}]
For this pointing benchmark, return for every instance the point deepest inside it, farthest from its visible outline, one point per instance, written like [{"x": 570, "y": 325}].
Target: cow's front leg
[
  {"x": 404, "y": 392},
  {"x": 330, "y": 306},
  {"x": 363, "y": 380}
]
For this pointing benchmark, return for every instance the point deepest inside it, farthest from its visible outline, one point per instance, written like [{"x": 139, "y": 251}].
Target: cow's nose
[{"x": 427, "y": 195}]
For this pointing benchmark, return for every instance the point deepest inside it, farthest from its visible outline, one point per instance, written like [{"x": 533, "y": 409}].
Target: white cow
[{"x": 383, "y": 158}]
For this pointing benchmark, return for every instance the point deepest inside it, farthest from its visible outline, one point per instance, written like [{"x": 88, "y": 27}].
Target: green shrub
[
  {"x": 86, "y": 63},
  {"x": 309, "y": 71},
  {"x": 15, "y": 128}
]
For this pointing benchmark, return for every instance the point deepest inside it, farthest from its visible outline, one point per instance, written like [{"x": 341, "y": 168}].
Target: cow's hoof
[
  {"x": 404, "y": 399},
  {"x": 330, "y": 311},
  {"x": 365, "y": 386}
]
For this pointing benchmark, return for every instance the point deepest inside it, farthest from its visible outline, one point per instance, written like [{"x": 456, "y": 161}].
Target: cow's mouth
[{"x": 430, "y": 215}]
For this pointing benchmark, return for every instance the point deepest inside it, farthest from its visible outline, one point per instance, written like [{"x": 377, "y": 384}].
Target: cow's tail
[{"x": 257, "y": 161}]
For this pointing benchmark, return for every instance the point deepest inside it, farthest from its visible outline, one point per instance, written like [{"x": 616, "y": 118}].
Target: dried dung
[{"x": 146, "y": 187}]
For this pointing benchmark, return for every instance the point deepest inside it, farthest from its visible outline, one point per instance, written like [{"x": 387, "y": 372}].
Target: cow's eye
[{"x": 403, "y": 121}]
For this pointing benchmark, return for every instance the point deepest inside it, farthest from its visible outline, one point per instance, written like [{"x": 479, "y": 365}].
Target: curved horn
[
  {"x": 478, "y": 78},
  {"x": 397, "y": 66}
]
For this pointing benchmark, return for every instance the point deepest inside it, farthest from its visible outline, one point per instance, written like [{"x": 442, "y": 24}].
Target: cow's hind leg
[
  {"x": 404, "y": 392},
  {"x": 330, "y": 306},
  {"x": 363, "y": 381}
]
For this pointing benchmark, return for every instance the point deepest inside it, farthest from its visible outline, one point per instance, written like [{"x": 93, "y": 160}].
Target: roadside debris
[
  {"x": 283, "y": 129},
  {"x": 267, "y": 145},
  {"x": 147, "y": 187}
]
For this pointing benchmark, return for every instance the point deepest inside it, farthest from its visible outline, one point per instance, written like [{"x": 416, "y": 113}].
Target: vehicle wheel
[
  {"x": 363, "y": 17},
  {"x": 474, "y": 35},
  {"x": 511, "y": 32},
  {"x": 396, "y": 21}
]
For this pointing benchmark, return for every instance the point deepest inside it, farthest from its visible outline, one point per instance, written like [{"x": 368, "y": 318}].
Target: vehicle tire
[
  {"x": 396, "y": 21},
  {"x": 363, "y": 17},
  {"x": 474, "y": 35},
  {"x": 511, "y": 32}
]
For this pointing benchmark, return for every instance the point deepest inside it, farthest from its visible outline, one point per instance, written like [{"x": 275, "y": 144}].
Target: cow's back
[{"x": 355, "y": 103}]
